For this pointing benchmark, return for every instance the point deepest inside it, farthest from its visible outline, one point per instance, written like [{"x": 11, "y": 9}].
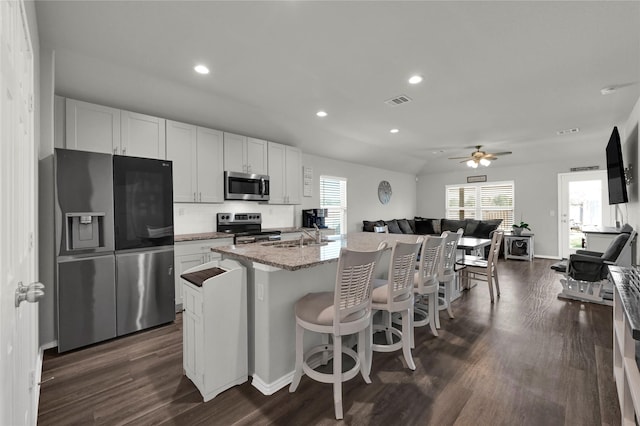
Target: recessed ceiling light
[
  {"x": 415, "y": 79},
  {"x": 201, "y": 69},
  {"x": 394, "y": 131},
  {"x": 608, "y": 90},
  {"x": 321, "y": 114}
]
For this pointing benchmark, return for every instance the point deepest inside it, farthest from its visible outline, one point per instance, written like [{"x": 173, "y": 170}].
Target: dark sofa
[{"x": 426, "y": 226}]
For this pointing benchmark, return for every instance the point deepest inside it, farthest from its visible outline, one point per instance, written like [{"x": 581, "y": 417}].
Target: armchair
[{"x": 586, "y": 271}]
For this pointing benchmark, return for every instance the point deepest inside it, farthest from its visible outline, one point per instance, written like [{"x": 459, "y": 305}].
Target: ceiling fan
[{"x": 479, "y": 157}]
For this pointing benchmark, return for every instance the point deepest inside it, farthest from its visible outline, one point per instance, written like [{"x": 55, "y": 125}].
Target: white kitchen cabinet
[
  {"x": 197, "y": 156},
  {"x": 97, "y": 128},
  {"x": 189, "y": 254},
  {"x": 215, "y": 339},
  {"x": 141, "y": 135},
  {"x": 243, "y": 154},
  {"x": 91, "y": 127},
  {"x": 210, "y": 166},
  {"x": 285, "y": 174}
]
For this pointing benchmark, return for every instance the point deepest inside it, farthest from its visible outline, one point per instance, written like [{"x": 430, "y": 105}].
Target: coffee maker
[{"x": 312, "y": 217}]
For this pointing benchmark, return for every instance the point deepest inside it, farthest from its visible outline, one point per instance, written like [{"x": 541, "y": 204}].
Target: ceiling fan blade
[
  {"x": 502, "y": 153},
  {"x": 467, "y": 159},
  {"x": 460, "y": 158}
]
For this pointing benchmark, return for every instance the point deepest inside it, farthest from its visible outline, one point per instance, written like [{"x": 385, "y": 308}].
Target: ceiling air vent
[{"x": 398, "y": 100}]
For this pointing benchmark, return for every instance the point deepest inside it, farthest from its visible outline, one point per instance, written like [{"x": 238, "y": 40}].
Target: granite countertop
[
  {"x": 201, "y": 236},
  {"x": 295, "y": 258},
  {"x": 216, "y": 235},
  {"x": 627, "y": 283}
]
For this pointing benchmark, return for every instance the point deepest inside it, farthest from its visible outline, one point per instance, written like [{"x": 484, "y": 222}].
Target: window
[
  {"x": 333, "y": 197},
  {"x": 482, "y": 201}
]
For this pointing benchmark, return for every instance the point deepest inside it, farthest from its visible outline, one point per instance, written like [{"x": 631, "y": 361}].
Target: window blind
[
  {"x": 481, "y": 201},
  {"x": 333, "y": 197}
]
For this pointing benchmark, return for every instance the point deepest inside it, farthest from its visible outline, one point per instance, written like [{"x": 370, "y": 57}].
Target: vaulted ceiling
[{"x": 506, "y": 75}]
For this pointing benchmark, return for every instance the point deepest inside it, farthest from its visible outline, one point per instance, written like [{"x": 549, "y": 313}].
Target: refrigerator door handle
[{"x": 170, "y": 270}]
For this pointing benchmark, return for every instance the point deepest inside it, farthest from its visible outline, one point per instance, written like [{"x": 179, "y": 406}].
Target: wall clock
[{"x": 384, "y": 192}]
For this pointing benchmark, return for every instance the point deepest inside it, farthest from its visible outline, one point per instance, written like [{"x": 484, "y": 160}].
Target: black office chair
[{"x": 586, "y": 271}]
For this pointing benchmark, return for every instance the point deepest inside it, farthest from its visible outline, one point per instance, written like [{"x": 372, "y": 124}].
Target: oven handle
[{"x": 263, "y": 186}]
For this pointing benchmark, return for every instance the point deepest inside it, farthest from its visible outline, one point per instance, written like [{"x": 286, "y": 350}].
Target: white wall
[
  {"x": 362, "y": 191},
  {"x": 536, "y": 193},
  {"x": 631, "y": 157},
  {"x": 362, "y": 199}
]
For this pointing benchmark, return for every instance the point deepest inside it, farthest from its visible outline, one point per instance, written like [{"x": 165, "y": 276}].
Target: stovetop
[{"x": 246, "y": 227}]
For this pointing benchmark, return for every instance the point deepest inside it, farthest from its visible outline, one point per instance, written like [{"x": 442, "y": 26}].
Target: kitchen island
[{"x": 277, "y": 276}]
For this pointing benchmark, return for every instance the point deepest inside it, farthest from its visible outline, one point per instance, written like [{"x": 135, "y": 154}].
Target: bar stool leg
[
  {"x": 299, "y": 358},
  {"x": 337, "y": 376}
]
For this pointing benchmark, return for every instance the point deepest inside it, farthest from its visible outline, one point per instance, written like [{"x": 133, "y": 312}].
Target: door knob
[{"x": 31, "y": 293}]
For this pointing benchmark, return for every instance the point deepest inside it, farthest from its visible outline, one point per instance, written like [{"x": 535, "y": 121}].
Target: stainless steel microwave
[{"x": 246, "y": 186}]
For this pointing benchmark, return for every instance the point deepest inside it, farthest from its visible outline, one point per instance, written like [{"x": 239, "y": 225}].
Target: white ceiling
[{"x": 507, "y": 75}]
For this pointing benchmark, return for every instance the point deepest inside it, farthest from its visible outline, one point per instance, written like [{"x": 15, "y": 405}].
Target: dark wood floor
[{"x": 530, "y": 359}]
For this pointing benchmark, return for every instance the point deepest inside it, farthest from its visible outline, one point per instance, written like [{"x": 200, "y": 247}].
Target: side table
[{"x": 518, "y": 246}]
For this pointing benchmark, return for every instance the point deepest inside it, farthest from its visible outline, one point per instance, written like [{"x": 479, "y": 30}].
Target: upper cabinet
[
  {"x": 285, "y": 174},
  {"x": 197, "y": 156},
  {"x": 92, "y": 127},
  {"x": 244, "y": 154},
  {"x": 142, "y": 135},
  {"x": 97, "y": 128}
]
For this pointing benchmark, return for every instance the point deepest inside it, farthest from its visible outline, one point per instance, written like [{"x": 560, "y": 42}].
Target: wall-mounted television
[{"x": 615, "y": 170}]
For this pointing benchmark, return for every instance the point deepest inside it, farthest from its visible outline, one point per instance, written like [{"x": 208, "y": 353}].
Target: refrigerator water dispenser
[{"x": 85, "y": 230}]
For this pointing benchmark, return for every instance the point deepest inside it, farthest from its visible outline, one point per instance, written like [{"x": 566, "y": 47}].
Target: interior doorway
[{"x": 582, "y": 202}]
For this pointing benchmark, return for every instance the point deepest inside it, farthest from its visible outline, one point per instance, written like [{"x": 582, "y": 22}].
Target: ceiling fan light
[
  {"x": 472, "y": 163},
  {"x": 485, "y": 162}
]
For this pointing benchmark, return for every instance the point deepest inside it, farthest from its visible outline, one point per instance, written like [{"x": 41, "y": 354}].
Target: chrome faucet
[{"x": 318, "y": 235}]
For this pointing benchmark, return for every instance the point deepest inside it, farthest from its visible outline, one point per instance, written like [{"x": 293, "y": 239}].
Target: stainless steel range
[{"x": 246, "y": 227}]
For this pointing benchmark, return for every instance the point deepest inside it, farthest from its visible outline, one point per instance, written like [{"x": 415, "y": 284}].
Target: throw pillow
[
  {"x": 404, "y": 226},
  {"x": 472, "y": 224},
  {"x": 393, "y": 226},
  {"x": 367, "y": 226},
  {"x": 424, "y": 227},
  {"x": 435, "y": 224},
  {"x": 453, "y": 225},
  {"x": 412, "y": 224},
  {"x": 485, "y": 227}
]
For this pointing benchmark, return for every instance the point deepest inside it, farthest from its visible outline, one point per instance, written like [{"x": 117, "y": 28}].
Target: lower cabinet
[
  {"x": 189, "y": 254},
  {"x": 215, "y": 340}
]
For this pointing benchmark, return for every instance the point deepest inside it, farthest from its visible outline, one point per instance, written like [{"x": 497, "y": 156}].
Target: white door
[
  {"x": 582, "y": 202},
  {"x": 18, "y": 325}
]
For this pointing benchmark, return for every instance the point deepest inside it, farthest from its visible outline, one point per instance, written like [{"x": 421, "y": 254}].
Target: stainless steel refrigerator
[{"x": 114, "y": 246}]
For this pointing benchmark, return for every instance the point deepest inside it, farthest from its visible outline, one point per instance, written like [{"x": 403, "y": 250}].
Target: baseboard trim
[
  {"x": 273, "y": 387},
  {"x": 543, "y": 256}
]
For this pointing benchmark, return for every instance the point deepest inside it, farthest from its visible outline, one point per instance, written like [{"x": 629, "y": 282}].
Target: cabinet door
[
  {"x": 181, "y": 150},
  {"x": 210, "y": 157},
  {"x": 293, "y": 174},
  {"x": 234, "y": 153},
  {"x": 276, "y": 171},
  {"x": 91, "y": 127},
  {"x": 142, "y": 135},
  {"x": 182, "y": 264},
  {"x": 256, "y": 155}
]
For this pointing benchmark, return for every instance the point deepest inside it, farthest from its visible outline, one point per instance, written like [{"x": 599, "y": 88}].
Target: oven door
[{"x": 244, "y": 186}]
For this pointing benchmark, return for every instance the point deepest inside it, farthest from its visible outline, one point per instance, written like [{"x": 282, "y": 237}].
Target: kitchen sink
[{"x": 295, "y": 243}]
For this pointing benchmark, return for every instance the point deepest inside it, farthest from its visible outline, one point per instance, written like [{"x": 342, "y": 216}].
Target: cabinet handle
[
  {"x": 124, "y": 151},
  {"x": 194, "y": 197},
  {"x": 115, "y": 151},
  {"x": 200, "y": 198}
]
